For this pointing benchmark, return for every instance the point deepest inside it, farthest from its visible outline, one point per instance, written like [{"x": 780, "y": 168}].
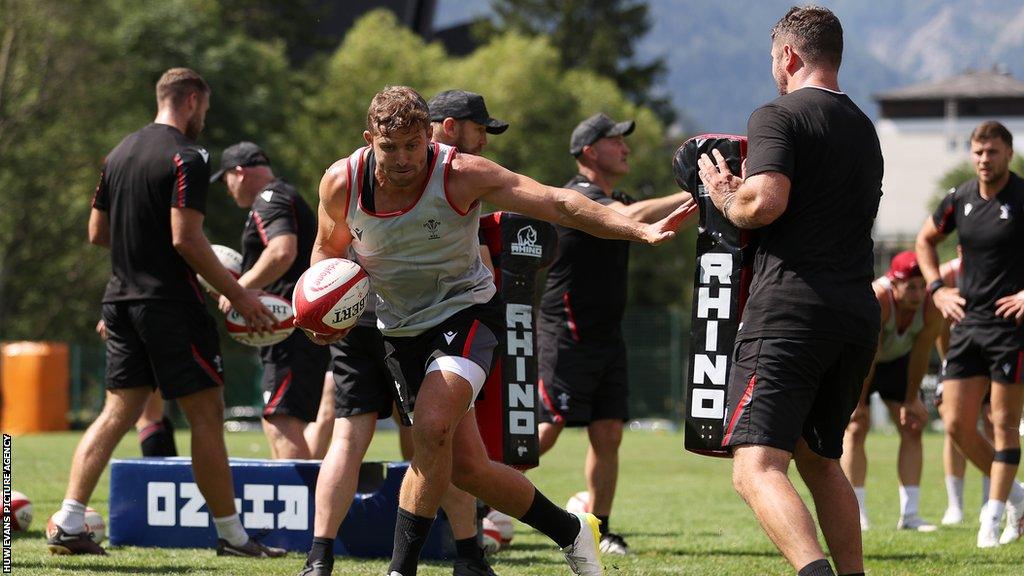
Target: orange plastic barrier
[{"x": 34, "y": 387}]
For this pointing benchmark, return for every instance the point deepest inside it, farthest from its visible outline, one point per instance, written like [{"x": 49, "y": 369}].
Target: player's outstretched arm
[
  {"x": 475, "y": 178},
  {"x": 332, "y": 235},
  {"x": 652, "y": 209}
]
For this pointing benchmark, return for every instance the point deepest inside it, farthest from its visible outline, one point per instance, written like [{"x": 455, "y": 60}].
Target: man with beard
[
  {"x": 810, "y": 327},
  {"x": 148, "y": 209},
  {"x": 986, "y": 344}
]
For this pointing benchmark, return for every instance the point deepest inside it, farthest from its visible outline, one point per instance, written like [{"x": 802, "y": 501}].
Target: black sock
[
  {"x": 322, "y": 550},
  {"x": 410, "y": 535},
  {"x": 604, "y": 524},
  {"x": 469, "y": 549},
  {"x": 817, "y": 568},
  {"x": 552, "y": 521},
  {"x": 158, "y": 439}
]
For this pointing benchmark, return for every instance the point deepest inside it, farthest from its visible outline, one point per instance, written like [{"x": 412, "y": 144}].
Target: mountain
[{"x": 719, "y": 60}]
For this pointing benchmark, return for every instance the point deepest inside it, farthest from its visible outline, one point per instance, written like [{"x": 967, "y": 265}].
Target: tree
[{"x": 597, "y": 35}]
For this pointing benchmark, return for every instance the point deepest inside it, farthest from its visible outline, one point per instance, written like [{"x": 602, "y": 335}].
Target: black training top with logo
[
  {"x": 278, "y": 210},
  {"x": 586, "y": 286},
  {"x": 814, "y": 265},
  {"x": 991, "y": 234},
  {"x": 147, "y": 174}
]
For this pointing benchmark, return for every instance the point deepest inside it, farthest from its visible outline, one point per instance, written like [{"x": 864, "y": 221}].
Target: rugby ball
[
  {"x": 282, "y": 328},
  {"x": 94, "y": 523},
  {"x": 500, "y": 527},
  {"x": 230, "y": 259},
  {"x": 21, "y": 511},
  {"x": 579, "y": 503},
  {"x": 330, "y": 296}
]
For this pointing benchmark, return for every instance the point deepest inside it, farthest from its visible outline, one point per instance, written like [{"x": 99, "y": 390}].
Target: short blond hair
[
  {"x": 396, "y": 109},
  {"x": 178, "y": 83}
]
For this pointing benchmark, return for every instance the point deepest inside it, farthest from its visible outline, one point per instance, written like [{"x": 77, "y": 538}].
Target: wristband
[{"x": 935, "y": 285}]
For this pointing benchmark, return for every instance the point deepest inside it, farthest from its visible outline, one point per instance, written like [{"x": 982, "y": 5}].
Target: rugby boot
[
  {"x": 253, "y": 548},
  {"x": 988, "y": 535},
  {"x": 584, "y": 554},
  {"x": 916, "y": 524},
  {"x": 614, "y": 544},
  {"x": 952, "y": 517},
  {"x": 60, "y": 542},
  {"x": 474, "y": 567},
  {"x": 1014, "y": 522},
  {"x": 316, "y": 568}
]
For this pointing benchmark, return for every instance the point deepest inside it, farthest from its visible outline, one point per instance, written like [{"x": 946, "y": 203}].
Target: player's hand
[
  {"x": 913, "y": 415},
  {"x": 665, "y": 229},
  {"x": 101, "y": 329},
  {"x": 950, "y": 303},
  {"x": 223, "y": 304},
  {"x": 718, "y": 180},
  {"x": 1011, "y": 306},
  {"x": 326, "y": 339},
  {"x": 258, "y": 318}
]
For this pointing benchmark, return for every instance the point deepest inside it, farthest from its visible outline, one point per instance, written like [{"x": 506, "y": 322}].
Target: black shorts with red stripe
[
  {"x": 784, "y": 389},
  {"x": 993, "y": 350},
  {"x": 473, "y": 333},
  {"x": 581, "y": 382},
  {"x": 293, "y": 377},
  {"x": 163, "y": 344}
]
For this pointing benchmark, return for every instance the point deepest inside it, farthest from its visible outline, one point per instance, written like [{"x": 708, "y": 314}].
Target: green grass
[{"x": 678, "y": 512}]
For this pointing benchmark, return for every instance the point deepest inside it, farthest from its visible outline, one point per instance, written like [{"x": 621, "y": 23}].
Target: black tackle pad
[{"x": 720, "y": 285}]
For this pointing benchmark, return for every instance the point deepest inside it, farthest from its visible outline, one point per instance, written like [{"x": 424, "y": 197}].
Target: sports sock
[
  {"x": 157, "y": 439},
  {"x": 994, "y": 512},
  {"x": 322, "y": 550},
  {"x": 410, "y": 536},
  {"x": 955, "y": 492},
  {"x": 71, "y": 516},
  {"x": 861, "y": 493},
  {"x": 604, "y": 524},
  {"x": 817, "y": 568},
  {"x": 469, "y": 549},
  {"x": 986, "y": 484},
  {"x": 229, "y": 529},
  {"x": 552, "y": 521},
  {"x": 909, "y": 498}
]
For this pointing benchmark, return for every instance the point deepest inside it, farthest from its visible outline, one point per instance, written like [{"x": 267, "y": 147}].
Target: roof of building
[{"x": 970, "y": 84}]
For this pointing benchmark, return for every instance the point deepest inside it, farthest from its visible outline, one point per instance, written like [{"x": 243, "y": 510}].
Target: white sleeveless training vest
[
  {"x": 895, "y": 343},
  {"x": 423, "y": 261}
]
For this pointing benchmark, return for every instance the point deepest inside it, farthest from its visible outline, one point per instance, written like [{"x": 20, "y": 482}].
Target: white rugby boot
[
  {"x": 953, "y": 516},
  {"x": 988, "y": 535},
  {"x": 1014, "y": 522},
  {"x": 583, "y": 555},
  {"x": 915, "y": 523}
]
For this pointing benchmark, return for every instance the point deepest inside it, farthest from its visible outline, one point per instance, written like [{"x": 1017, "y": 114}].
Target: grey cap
[
  {"x": 462, "y": 105},
  {"x": 596, "y": 127},
  {"x": 241, "y": 154}
]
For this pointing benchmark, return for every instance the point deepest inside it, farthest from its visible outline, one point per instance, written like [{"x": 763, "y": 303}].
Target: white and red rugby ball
[
  {"x": 330, "y": 296},
  {"x": 94, "y": 523},
  {"x": 230, "y": 259},
  {"x": 282, "y": 328},
  {"x": 21, "y": 511}
]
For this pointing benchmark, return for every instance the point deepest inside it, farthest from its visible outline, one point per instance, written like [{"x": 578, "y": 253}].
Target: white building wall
[{"x": 918, "y": 152}]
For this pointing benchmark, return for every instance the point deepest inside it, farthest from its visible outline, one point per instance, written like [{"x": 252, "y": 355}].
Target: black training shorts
[
  {"x": 362, "y": 383},
  {"x": 890, "y": 379},
  {"x": 582, "y": 382},
  {"x": 784, "y": 389},
  {"x": 473, "y": 333},
  {"x": 994, "y": 351},
  {"x": 162, "y": 344},
  {"x": 293, "y": 377}
]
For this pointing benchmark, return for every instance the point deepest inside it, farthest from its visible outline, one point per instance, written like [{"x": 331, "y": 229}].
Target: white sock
[
  {"x": 860, "y": 491},
  {"x": 230, "y": 528},
  {"x": 71, "y": 516},
  {"x": 1016, "y": 492},
  {"x": 955, "y": 492},
  {"x": 986, "y": 483},
  {"x": 994, "y": 512},
  {"x": 909, "y": 497}
]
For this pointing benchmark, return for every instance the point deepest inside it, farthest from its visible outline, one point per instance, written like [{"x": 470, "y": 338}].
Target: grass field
[{"x": 678, "y": 512}]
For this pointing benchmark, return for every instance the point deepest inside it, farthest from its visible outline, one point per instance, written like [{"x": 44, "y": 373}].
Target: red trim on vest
[
  {"x": 408, "y": 208},
  {"x": 740, "y": 407}
]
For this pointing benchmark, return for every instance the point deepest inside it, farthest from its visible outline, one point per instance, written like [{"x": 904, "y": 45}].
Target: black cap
[
  {"x": 463, "y": 105},
  {"x": 241, "y": 154},
  {"x": 596, "y": 127}
]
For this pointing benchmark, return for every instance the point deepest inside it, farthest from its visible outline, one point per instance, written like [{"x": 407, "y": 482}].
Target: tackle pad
[
  {"x": 720, "y": 285},
  {"x": 506, "y": 411}
]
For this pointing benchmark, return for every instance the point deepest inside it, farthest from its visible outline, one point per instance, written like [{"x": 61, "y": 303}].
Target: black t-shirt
[
  {"x": 147, "y": 174},
  {"x": 992, "y": 237},
  {"x": 813, "y": 266},
  {"x": 278, "y": 210},
  {"x": 586, "y": 286}
]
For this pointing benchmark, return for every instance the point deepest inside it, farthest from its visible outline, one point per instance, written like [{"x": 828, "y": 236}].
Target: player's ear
[
  {"x": 368, "y": 137},
  {"x": 448, "y": 124}
]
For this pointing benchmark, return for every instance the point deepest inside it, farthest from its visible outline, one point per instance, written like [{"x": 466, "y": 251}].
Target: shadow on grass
[{"x": 119, "y": 569}]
